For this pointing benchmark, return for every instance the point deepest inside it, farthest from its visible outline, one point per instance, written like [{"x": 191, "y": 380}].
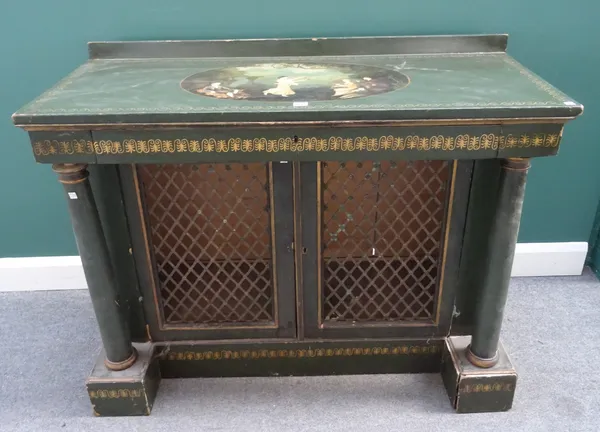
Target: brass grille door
[
  {"x": 212, "y": 244},
  {"x": 376, "y": 264}
]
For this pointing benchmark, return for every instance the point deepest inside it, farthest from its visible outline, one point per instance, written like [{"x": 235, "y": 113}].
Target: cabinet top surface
[{"x": 349, "y": 79}]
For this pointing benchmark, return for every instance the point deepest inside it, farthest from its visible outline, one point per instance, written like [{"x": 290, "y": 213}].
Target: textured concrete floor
[{"x": 48, "y": 343}]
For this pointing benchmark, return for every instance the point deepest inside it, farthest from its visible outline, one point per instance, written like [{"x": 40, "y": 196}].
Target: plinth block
[
  {"x": 128, "y": 392},
  {"x": 473, "y": 389}
]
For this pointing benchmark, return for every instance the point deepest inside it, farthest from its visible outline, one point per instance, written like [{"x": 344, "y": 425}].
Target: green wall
[{"x": 42, "y": 40}]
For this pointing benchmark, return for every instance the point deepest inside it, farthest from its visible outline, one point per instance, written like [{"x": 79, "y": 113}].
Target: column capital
[
  {"x": 71, "y": 173},
  {"x": 517, "y": 164}
]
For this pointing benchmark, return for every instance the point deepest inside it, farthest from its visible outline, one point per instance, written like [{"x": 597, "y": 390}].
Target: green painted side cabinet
[{"x": 298, "y": 206}]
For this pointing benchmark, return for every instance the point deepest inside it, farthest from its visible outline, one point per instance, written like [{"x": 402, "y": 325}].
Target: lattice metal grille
[
  {"x": 211, "y": 237},
  {"x": 381, "y": 239}
]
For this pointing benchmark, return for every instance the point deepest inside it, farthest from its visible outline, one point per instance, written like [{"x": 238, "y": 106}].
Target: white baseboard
[
  {"x": 66, "y": 273},
  {"x": 41, "y": 273},
  {"x": 549, "y": 259}
]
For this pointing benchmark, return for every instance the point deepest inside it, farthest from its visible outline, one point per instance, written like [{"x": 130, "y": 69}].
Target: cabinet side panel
[{"x": 480, "y": 213}]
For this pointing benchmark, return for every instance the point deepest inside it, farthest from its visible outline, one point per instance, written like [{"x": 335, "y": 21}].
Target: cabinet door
[
  {"x": 380, "y": 246},
  {"x": 213, "y": 244}
]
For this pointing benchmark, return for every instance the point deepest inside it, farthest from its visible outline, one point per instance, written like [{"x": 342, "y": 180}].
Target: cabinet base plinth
[
  {"x": 473, "y": 389},
  {"x": 299, "y": 358},
  {"x": 132, "y": 391},
  {"x": 128, "y": 392}
]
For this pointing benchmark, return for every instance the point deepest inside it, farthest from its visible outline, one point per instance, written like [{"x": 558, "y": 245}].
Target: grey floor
[{"x": 48, "y": 342}]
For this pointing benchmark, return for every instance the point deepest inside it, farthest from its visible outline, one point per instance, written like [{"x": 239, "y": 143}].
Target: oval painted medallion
[{"x": 304, "y": 81}]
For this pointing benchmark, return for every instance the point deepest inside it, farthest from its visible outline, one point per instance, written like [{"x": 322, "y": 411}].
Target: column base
[
  {"x": 127, "y": 392},
  {"x": 481, "y": 361},
  {"x": 473, "y": 389},
  {"x": 119, "y": 366}
]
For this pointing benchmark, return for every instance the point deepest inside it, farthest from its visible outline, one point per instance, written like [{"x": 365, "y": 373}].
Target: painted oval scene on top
[{"x": 295, "y": 82}]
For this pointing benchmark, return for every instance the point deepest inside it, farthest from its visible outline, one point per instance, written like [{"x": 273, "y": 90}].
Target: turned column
[
  {"x": 95, "y": 258},
  {"x": 483, "y": 351}
]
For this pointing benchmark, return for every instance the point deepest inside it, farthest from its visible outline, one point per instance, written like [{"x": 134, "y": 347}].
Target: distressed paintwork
[
  {"x": 441, "y": 86},
  {"x": 109, "y": 308},
  {"x": 125, "y": 393},
  {"x": 498, "y": 265},
  {"x": 472, "y": 389},
  {"x": 297, "y": 358}
]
